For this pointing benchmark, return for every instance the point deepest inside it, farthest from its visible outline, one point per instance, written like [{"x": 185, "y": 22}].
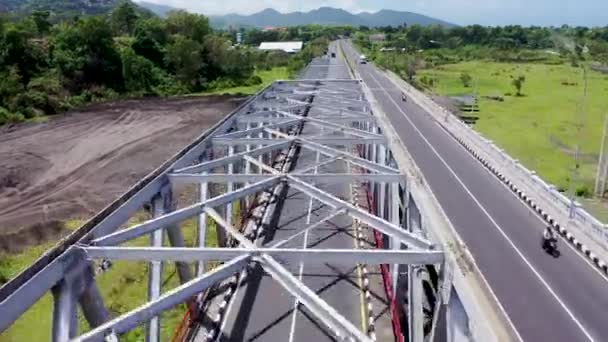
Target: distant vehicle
[
  {"x": 333, "y": 55},
  {"x": 363, "y": 59}
]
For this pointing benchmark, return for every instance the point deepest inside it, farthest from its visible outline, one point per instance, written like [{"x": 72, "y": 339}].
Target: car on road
[{"x": 363, "y": 59}]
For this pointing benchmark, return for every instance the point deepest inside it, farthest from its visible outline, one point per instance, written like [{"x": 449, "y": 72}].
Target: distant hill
[
  {"x": 76, "y": 7},
  {"x": 158, "y": 9},
  {"x": 62, "y": 8},
  {"x": 324, "y": 16}
]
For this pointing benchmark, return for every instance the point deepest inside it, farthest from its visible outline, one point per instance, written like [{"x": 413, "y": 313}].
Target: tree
[
  {"x": 16, "y": 49},
  {"x": 465, "y": 78},
  {"x": 85, "y": 55},
  {"x": 123, "y": 18},
  {"x": 137, "y": 71},
  {"x": 41, "y": 19},
  {"x": 184, "y": 57},
  {"x": 223, "y": 61},
  {"x": 192, "y": 26},
  {"x": 150, "y": 40},
  {"x": 518, "y": 83}
]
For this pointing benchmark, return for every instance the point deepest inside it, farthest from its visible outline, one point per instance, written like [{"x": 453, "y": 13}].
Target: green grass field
[
  {"x": 267, "y": 76},
  {"x": 544, "y": 126},
  {"x": 123, "y": 287}
]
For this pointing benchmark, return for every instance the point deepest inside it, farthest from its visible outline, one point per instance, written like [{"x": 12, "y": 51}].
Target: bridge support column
[
  {"x": 155, "y": 271},
  {"x": 201, "y": 223},
  {"x": 91, "y": 301},
  {"x": 457, "y": 320},
  {"x": 229, "y": 187},
  {"x": 395, "y": 244},
  {"x": 382, "y": 199},
  {"x": 415, "y": 304},
  {"x": 248, "y": 166},
  {"x": 176, "y": 239},
  {"x": 65, "y": 322},
  {"x": 406, "y": 205}
]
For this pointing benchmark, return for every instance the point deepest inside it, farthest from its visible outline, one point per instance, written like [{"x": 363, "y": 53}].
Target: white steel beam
[
  {"x": 182, "y": 214},
  {"x": 155, "y": 270},
  {"x": 315, "y": 225},
  {"x": 166, "y": 301},
  {"x": 327, "y": 140},
  {"x": 415, "y": 304},
  {"x": 210, "y": 165},
  {"x": 319, "y": 178},
  {"x": 326, "y": 123},
  {"x": 295, "y": 120},
  {"x": 228, "y": 227},
  {"x": 369, "y": 219},
  {"x": 340, "y": 326},
  {"x": 290, "y": 255},
  {"x": 65, "y": 321},
  {"x": 201, "y": 223}
]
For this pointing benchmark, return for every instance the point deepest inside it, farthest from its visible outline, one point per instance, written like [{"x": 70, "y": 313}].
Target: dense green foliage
[{"x": 47, "y": 68}]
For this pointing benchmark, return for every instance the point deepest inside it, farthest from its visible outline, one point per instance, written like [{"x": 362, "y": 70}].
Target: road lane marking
[
  {"x": 502, "y": 232},
  {"x": 301, "y": 270},
  {"x": 535, "y": 214},
  {"x": 485, "y": 281}
]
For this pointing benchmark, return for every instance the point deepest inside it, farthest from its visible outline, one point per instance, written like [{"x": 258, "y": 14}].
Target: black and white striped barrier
[{"x": 542, "y": 213}]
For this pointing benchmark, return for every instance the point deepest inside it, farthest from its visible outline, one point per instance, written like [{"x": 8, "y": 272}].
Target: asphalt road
[
  {"x": 261, "y": 309},
  {"x": 546, "y": 298}
]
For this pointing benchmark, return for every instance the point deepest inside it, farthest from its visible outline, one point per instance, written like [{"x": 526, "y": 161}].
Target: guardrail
[
  {"x": 487, "y": 320},
  {"x": 561, "y": 207}
]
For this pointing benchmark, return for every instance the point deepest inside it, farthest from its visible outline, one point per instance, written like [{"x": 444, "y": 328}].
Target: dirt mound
[{"x": 75, "y": 164}]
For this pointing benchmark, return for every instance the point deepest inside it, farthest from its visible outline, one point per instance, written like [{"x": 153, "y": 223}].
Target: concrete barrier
[{"x": 584, "y": 231}]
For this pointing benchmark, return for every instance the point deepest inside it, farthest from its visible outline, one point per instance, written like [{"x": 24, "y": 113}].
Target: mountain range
[
  {"x": 265, "y": 18},
  {"x": 324, "y": 16},
  {"x": 62, "y": 9},
  {"x": 158, "y": 9}
]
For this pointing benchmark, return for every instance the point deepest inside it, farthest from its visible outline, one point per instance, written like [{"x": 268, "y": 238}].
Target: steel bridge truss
[{"x": 247, "y": 159}]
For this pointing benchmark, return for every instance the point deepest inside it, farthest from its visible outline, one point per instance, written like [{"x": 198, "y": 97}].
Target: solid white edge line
[
  {"x": 535, "y": 214},
  {"x": 485, "y": 281},
  {"x": 296, "y": 302},
  {"x": 576, "y": 321}
]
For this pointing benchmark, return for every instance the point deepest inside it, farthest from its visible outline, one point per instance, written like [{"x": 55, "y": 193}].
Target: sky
[{"x": 462, "y": 12}]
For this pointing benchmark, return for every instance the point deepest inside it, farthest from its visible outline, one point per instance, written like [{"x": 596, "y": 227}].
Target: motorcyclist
[
  {"x": 548, "y": 236},
  {"x": 548, "y": 233},
  {"x": 403, "y": 98}
]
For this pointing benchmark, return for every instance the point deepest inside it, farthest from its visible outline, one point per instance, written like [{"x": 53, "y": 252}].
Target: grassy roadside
[
  {"x": 543, "y": 127},
  {"x": 267, "y": 76}
]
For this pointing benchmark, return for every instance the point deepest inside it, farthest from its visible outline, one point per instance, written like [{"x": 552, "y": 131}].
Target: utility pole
[
  {"x": 581, "y": 124},
  {"x": 602, "y": 166}
]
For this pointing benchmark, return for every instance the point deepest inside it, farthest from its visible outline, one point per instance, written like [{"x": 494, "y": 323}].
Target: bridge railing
[{"x": 556, "y": 204}]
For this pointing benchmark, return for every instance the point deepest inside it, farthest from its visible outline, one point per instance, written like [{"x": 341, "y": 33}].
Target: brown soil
[{"x": 75, "y": 164}]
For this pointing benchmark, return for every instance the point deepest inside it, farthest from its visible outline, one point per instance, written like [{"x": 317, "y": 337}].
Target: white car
[{"x": 363, "y": 59}]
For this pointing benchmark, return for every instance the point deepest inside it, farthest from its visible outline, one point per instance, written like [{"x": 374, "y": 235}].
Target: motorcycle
[
  {"x": 403, "y": 98},
  {"x": 550, "y": 246}
]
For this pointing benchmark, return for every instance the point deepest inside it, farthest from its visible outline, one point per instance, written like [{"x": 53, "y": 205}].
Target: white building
[{"x": 289, "y": 47}]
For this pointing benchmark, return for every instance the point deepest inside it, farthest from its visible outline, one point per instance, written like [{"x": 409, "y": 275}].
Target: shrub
[
  {"x": 518, "y": 83},
  {"x": 465, "y": 78},
  {"x": 583, "y": 191},
  {"x": 7, "y": 117},
  {"x": 138, "y": 72},
  {"x": 253, "y": 80}
]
